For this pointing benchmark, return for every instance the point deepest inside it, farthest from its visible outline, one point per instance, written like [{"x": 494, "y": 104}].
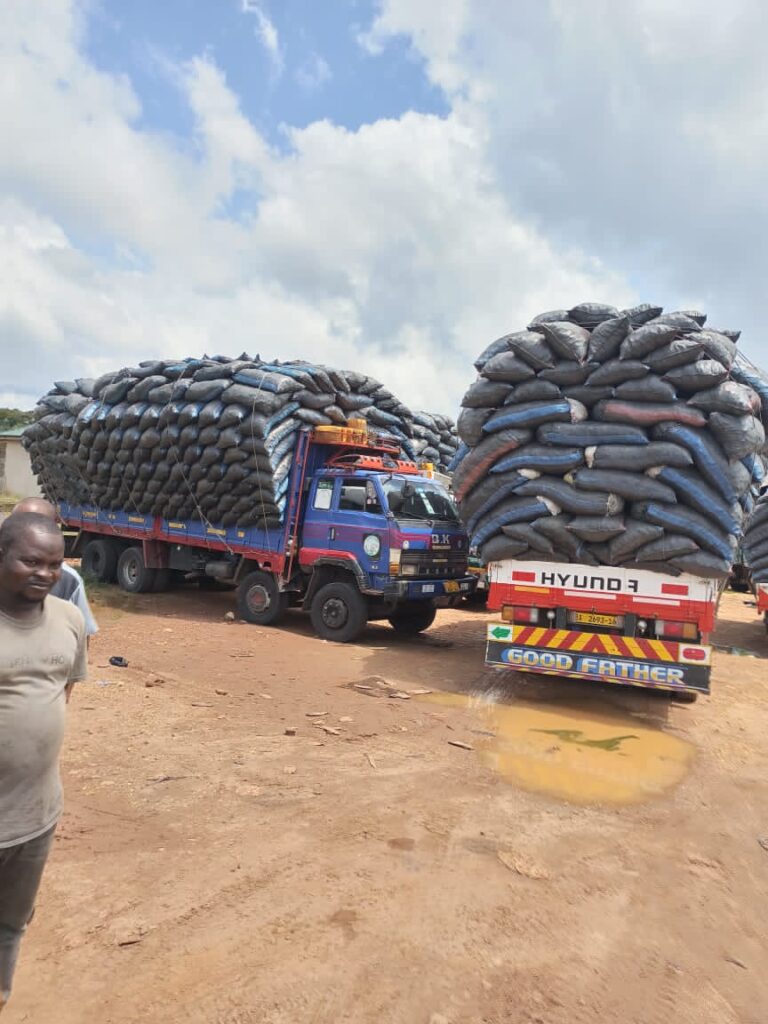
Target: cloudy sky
[{"x": 379, "y": 184}]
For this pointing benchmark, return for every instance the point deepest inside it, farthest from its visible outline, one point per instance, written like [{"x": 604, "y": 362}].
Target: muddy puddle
[{"x": 581, "y": 754}]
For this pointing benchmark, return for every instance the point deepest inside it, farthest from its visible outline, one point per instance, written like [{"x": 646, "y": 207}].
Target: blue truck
[{"x": 367, "y": 535}]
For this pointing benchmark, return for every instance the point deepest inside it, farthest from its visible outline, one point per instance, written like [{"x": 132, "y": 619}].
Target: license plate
[
  {"x": 452, "y": 587},
  {"x": 590, "y": 619}
]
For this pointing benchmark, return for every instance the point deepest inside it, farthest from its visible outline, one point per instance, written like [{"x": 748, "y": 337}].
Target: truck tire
[
  {"x": 99, "y": 560},
  {"x": 413, "y": 618},
  {"x": 259, "y": 600},
  {"x": 132, "y": 575},
  {"x": 339, "y": 612}
]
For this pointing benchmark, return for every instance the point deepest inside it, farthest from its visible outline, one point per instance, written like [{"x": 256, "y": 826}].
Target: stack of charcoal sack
[
  {"x": 434, "y": 439},
  {"x": 209, "y": 438},
  {"x": 756, "y": 541},
  {"x": 745, "y": 372},
  {"x": 614, "y": 438}
]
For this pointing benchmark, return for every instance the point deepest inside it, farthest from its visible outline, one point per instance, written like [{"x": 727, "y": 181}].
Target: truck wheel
[
  {"x": 132, "y": 575},
  {"x": 413, "y": 618},
  {"x": 259, "y": 600},
  {"x": 100, "y": 560},
  {"x": 339, "y": 612}
]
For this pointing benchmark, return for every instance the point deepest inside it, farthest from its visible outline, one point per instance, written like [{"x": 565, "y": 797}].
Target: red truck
[{"x": 634, "y": 628}]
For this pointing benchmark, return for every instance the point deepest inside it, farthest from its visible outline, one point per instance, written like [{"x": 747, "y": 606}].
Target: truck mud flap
[{"x": 599, "y": 657}]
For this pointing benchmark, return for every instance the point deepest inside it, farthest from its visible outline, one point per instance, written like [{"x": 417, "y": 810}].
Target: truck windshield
[{"x": 420, "y": 499}]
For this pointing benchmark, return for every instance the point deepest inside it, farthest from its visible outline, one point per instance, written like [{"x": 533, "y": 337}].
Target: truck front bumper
[
  {"x": 604, "y": 658},
  {"x": 429, "y": 590}
]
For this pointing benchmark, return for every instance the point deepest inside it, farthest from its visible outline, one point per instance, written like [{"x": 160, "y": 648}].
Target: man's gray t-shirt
[
  {"x": 38, "y": 658},
  {"x": 70, "y": 587}
]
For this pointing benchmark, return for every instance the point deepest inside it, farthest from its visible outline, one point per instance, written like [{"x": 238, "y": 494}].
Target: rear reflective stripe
[
  {"x": 612, "y": 647},
  {"x": 633, "y": 647},
  {"x": 559, "y": 638},
  {"x": 595, "y": 643},
  {"x": 661, "y": 650}
]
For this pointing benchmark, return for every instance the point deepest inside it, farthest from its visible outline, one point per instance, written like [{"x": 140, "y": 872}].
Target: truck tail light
[
  {"x": 529, "y": 616},
  {"x": 676, "y": 630}
]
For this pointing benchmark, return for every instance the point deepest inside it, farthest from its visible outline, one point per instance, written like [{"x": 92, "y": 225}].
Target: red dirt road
[{"x": 212, "y": 869}]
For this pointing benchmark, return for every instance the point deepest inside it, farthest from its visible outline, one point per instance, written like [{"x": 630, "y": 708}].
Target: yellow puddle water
[{"x": 579, "y": 755}]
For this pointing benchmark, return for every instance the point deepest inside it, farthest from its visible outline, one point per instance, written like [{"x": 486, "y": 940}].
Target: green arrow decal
[{"x": 500, "y": 632}]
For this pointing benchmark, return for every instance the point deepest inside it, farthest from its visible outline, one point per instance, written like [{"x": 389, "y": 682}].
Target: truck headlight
[
  {"x": 372, "y": 545},
  {"x": 407, "y": 570}
]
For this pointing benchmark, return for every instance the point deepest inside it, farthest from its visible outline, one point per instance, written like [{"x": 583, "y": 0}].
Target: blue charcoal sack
[
  {"x": 707, "y": 455},
  {"x": 504, "y": 491},
  {"x": 691, "y": 490},
  {"x": 516, "y": 510},
  {"x": 531, "y": 414},
  {"x": 461, "y": 451},
  {"x": 541, "y": 458},
  {"x": 678, "y": 519}
]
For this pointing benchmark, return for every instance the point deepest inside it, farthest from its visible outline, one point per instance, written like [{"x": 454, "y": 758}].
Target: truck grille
[{"x": 436, "y": 564}]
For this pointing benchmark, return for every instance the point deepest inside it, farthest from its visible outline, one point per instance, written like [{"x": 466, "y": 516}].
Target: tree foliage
[{"x": 10, "y": 418}]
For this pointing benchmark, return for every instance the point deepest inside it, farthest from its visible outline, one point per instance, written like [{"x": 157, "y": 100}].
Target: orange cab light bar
[
  {"x": 355, "y": 435},
  {"x": 375, "y": 462}
]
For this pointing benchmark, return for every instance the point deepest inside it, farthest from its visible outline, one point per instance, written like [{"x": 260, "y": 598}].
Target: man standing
[
  {"x": 42, "y": 654},
  {"x": 69, "y": 586}
]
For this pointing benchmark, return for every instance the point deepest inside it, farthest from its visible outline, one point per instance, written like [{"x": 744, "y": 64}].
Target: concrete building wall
[{"x": 16, "y": 475}]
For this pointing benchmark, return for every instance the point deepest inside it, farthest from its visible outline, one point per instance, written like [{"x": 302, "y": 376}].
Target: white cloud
[
  {"x": 16, "y": 400},
  {"x": 313, "y": 73},
  {"x": 392, "y": 248},
  {"x": 437, "y": 38},
  {"x": 636, "y": 131},
  {"x": 266, "y": 33}
]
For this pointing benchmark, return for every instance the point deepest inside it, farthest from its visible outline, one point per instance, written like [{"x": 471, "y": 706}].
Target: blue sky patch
[{"x": 318, "y": 69}]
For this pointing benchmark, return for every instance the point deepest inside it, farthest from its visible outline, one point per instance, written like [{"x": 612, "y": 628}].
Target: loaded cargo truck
[
  {"x": 366, "y": 535},
  {"x": 633, "y": 628}
]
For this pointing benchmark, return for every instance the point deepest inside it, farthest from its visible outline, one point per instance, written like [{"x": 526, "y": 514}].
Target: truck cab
[{"x": 380, "y": 528}]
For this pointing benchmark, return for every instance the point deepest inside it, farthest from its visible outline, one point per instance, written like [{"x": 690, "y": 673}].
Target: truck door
[
  {"x": 319, "y": 518},
  {"x": 360, "y": 526}
]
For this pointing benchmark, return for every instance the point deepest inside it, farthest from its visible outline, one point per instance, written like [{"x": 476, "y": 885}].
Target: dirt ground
[{"x": 213, "y": 867}]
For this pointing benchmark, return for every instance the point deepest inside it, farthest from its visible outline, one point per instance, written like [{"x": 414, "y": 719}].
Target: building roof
[{"x": 12, "y": 432}]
